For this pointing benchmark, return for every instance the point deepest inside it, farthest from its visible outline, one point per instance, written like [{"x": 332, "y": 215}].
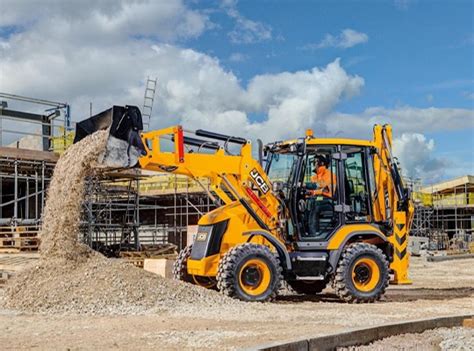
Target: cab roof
[
  {"x": 338, "y": 141},
  {"x": 329, "y": 141}
]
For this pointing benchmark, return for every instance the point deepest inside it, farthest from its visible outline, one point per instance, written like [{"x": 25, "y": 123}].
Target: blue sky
[
  {"x": 266, "y": 69},
  {"x": 418, "y": 54}
]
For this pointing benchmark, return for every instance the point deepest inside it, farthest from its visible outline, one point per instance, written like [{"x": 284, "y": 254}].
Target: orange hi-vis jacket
[{"x": 325, "y": 185}]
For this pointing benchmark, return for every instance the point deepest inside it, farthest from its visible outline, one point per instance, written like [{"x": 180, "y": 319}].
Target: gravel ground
[
  {"x": 196, "y": 326},
  {"x": 436, "y": 339}
]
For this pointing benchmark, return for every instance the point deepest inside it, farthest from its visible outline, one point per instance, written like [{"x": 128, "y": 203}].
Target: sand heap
[{"x": 71, "y": 277}]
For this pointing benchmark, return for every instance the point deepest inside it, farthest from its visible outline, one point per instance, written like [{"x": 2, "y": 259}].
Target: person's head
[{"x": 320, "y": 161}]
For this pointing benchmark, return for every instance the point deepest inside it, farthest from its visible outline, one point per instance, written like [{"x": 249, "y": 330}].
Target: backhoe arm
[{"x": 393, "y": 204}]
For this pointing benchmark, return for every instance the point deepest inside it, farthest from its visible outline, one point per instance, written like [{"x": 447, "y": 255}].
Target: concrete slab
[{"x": 160, "y": 266}]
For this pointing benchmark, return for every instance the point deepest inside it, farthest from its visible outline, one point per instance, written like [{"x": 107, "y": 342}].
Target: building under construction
[
  {"x": 444, "y": 214},
  {"x": 27, "y": 139}
]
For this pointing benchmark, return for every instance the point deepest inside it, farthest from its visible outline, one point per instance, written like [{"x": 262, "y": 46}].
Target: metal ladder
[{"x": 148, "y": 102}]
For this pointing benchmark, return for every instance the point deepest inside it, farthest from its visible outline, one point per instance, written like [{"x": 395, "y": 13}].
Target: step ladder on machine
[{"x": 150, "y": 89}]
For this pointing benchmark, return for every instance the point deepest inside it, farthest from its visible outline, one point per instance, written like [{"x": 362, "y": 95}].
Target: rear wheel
[
  {"x": 249, "y": 272},
  {"x": 180, "y": 270},
  {"x": 362, "y": 274},
  {"x": 307, "y": 288}
]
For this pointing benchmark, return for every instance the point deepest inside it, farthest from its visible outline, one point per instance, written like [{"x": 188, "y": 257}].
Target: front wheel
[
  {"x": 249, "y": 272},
  {"x": 362, "y": 274}
]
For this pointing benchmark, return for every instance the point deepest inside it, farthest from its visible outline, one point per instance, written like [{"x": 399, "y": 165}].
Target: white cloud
[
  {"x": 409, "y": 124},
  {"x": 403, "y": 4},
  {"x": 353, "y": 61},
  {"x": 238, "y": 57},
  {"x": 468, "y": 95},
  {"x": 245, "y": 31},
  {"x": 291, "y": 102},
  {"x": 415, "y": 153},
  {"x": 346, "y": 39},
  {"x": 405, "y": 119},
  {"x": 107, "y": 19},
  {"x": 84, "y": 61},
  {"x": 447, "y": 85}
]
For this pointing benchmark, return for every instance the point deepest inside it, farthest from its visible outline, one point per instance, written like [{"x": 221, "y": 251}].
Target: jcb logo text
[{"x": 259, "y": 181}]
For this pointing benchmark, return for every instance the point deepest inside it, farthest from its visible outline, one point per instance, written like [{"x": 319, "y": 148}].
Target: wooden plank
[{"x": 25, "y": 154}]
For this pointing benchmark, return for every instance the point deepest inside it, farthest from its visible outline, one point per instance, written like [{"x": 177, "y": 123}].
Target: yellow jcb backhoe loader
[{"x": 309, "y": 211}]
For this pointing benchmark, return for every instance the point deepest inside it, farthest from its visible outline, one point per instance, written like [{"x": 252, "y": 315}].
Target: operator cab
[{"x": 323, "y": 184}]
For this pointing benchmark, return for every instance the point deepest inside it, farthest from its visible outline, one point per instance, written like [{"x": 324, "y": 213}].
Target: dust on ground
[
  {"x": 192, "y": 326},
  {"x": 430, "y": 340}
]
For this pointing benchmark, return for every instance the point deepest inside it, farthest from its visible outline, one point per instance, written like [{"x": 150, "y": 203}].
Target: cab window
[
  {"x": 356, "y": 184},
  {"x": 281, "y": 169}
]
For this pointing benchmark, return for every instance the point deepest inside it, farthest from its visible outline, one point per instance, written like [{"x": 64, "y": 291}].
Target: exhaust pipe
[{"x": 124, "y": 145}]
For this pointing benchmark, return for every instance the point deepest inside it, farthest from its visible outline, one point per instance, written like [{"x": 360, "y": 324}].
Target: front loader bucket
[{"x": 124, "y": 145}]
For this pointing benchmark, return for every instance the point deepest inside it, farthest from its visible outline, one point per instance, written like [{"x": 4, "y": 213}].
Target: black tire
[
  {"x": 180, "y": 271},
  {"x": 249, "y": 272},
  {"x": 362, "y": 274},
  {"x": 307, "y": 288},
  {"x": 180, "y": 267}
]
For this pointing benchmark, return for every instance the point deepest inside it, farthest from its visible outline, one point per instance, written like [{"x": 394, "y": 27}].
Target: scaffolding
[
  {"x": 24, "y": 178},
  {"x": 119, "y": 216},
  {"x": 444, "y": 213}
]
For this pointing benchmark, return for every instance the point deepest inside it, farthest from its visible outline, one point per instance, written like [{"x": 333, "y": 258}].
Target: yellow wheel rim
[
  {"x": 365, "y": 274},
  {"x": 254, "y": 277}
]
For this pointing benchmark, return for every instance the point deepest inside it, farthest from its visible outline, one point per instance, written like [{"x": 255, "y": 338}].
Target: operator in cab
[{"x": 320, "y": 198}]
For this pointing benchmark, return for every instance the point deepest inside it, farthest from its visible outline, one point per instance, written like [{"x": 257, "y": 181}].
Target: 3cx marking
[{"x": 264, "y": 188}]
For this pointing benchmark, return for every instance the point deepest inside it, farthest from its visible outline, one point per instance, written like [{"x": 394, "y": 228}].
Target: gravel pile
[
  {"x": 435, "y": 339},
  {"x": 103, "y": 286},
  {"x": 70, "y": 277}
]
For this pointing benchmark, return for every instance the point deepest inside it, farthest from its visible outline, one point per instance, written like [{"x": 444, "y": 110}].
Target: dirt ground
[{"x": 439, "y": 289}]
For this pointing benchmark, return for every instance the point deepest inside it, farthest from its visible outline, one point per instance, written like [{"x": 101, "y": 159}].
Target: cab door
[
  {"x": 358, "y": 182},
  {"x": 317, "y": 194}
]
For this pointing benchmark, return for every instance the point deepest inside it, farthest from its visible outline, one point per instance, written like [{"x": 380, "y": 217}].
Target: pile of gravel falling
[{"x": 70, "y": 277}]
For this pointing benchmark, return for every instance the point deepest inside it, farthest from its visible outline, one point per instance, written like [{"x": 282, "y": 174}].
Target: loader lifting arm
[
  {"x": 232, "y": 177},
  {"x": 392, "y": 205}
]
